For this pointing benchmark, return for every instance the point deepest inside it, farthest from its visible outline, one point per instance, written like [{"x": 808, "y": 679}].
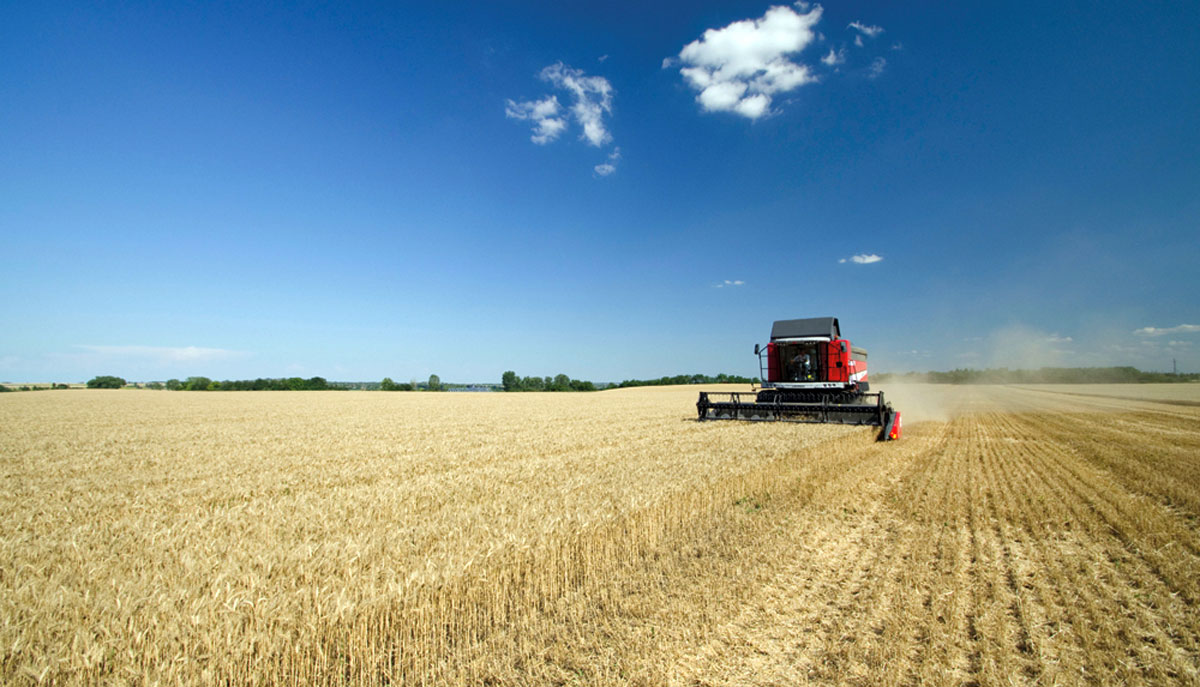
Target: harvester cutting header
[{"x": 810, "y": 374}]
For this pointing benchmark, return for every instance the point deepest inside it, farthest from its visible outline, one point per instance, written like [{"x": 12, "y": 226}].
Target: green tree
[
  {"x": 174, "y": 385},
  {"x": 511, "y": 381},
  {"x": 387, "y": 384},
  {"x": 105, "y": 382},
  {"x": 197, "y": 384},
  {"x": 435, "y": 383},
  {"x": 154, "y": 385}
]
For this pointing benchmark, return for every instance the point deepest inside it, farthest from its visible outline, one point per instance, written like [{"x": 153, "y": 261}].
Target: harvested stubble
[
  {"x": 1039, "y": 539},
  {"x": 1018, "y": 536},
  {"x": 344, "y": 538}
]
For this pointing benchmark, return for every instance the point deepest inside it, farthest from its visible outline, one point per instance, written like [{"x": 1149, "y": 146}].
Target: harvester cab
[{"x": 810, "y": 374}]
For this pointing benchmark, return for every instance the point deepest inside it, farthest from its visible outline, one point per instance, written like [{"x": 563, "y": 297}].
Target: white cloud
[
  {"x": 1056, "y": 339},
  {"x": 593, "y": 98},
  {"x": 864, "y": 259},
  {"x": 602, "y": 58},
  {"x": 164, "y": 354},
  {"x": 865, "y": 29},
  {"x": 609, "y": 166},
  {"x": 834, "y": 58},
  {"x": 877, "y": 67},
  {"x": 1179, "y": 344},
  {"x": 740, "y": 67},
  {"x": 1162, "y": 331},
  {"x": 858, "y": 41},
  {"x": 547, "y": 125},
  {"x": 591, "y": 101},
  {"x": 730, "y": 282}
]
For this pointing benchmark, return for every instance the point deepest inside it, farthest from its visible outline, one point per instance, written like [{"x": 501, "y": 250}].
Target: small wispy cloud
[
  {"x": 876, "y": 68},
  {"x": 544, "y": 113},
  {"x": 740, "y": 67},
  {"x": 834, "y": 58},
  {"x": 610, "y": 165},
  {"x": 864, "y": 259},
  {"x": 591, "y": 101},
  {"x": 865, "y": 29},
  {"x": 164, "y": 354},
  {"x": 1056, "y": 339},
  {"x": 729, "y": 282},
  {"x": 1163, "y": 331}
]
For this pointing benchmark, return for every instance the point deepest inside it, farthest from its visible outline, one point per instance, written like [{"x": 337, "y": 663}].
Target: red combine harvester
[{"x": 810, "y": 374}]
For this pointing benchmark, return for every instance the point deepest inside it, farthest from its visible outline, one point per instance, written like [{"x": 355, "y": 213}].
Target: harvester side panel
[
  {"x": 838, "y": 361},
  {"x": 774, "y": 371}
]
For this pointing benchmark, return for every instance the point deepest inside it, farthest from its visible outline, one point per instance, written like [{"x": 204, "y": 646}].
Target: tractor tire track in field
[{"x": 997, "y": 548}]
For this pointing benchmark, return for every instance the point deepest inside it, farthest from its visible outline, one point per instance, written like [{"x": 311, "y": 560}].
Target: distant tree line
[
  {"x": 106, "y": 382},
  {"x": 689, "y": 379},
  {"x": 32, "y": 387},
  {"x": 511, "y": 382},
  {"x": 434, "y": 384},
  {"x": 266, "y": 384},
  {"x": 1045, "y": 375},
  {"x": 260, "y": 384}
]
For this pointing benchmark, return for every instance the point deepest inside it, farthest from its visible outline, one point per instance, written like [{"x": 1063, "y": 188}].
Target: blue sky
[{"x": 605, "y": 190}]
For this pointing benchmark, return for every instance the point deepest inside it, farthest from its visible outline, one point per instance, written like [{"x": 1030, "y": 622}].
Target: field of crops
[{"x": 1015, "y": 536}]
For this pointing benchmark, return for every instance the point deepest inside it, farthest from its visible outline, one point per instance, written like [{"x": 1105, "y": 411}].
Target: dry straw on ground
[{"x": 368, "y": 538}]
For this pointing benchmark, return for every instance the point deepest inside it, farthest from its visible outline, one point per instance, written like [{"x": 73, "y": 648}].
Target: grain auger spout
[{"x": 811, "y": 374}]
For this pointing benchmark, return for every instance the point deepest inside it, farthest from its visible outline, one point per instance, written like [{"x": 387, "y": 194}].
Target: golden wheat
[
  {"x": 370, "y": 538},
  {"x": 335, "y": 537}
]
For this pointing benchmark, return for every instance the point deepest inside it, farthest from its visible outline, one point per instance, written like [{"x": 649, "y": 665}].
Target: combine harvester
[{"x": 811, "y": 374}]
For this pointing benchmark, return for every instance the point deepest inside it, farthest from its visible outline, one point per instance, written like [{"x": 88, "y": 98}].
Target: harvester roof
[{"x": 813, "y": 326}]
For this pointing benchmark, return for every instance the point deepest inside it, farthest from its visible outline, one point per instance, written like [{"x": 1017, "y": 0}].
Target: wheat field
[{"x": 1015, "y": 536}]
